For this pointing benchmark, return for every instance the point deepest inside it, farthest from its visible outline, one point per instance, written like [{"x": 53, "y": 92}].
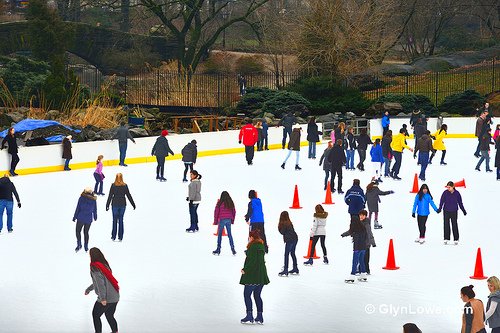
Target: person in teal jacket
[
  {"x": 421, "y": 205},
  {"x": 254, "y": 277}
]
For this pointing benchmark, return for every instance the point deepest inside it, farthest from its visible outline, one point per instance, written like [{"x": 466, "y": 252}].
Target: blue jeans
[
  {"x": 290, "y": 250},
  {"x": 327, "y": 175},
  {"x": 122, "y": 146},
  {"x": 66, "y": 164},
  {"x": 193, "y": 215},
  {"x": 9, "y": 205},
  {"x": 98, "y": 183},
  {"x": 350, "y": 158},
  {"x": 423, "y": 159},
  {"x": 297, "y": 156},
  {"x": 118, "y": 213},
  {"x": 225, "y": 223},
  {"x": 247, "y": 293},
  {"x": 358, "y": 259},
  {"x": 387, "y": 168},
  {"x": 312, "y": 150},
  {"x": 398, "y": 156},
  {"x": 485, "y": 155}
]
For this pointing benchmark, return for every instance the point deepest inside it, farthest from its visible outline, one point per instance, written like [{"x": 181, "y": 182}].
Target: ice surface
[{"x": 171, "y": 282}]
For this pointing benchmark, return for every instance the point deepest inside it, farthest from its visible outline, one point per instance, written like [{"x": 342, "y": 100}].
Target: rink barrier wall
[{"x": 42, "y": 159}]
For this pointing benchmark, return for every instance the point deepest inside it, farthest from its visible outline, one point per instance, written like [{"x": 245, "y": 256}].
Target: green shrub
[
  {"x": 410, "y": 103},
  {"x": 254, "y": 99},
  {"x": 464, "y": 103},
  {"x": 327, "y": 95},
  {"x": 284, "y": 101},
  {"x": 249, "y": 65}
]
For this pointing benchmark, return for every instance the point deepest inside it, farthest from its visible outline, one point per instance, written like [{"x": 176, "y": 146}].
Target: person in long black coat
[
  {"x": 66, "y": 155},
  {"x": 161, "y": 149},
  {"x": 189, "y": 155},
  {"x": 12, "y": 150},
  {"x": 312, "y": 137},
  {"x": 337, "y": 160}
]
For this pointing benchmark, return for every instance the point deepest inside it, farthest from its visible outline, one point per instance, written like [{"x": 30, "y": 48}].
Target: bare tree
[{"x": 488, "y": 11}]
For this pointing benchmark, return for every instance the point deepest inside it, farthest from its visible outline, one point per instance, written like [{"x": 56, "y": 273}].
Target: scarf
[{"x": 107, "y": 273}]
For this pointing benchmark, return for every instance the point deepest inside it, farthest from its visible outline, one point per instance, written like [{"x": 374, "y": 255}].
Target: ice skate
[
  {"x": 350, "y": 279},
  {"x": 297, "y": 167},
  {"x": 216, "y": 252},
  {"x": 362, "y": 277},
  {"x": 78, "y": 247},
  {"x": 294, "y": 271},
  {"x": 248, "y": 319},
  {"x": 455, "y": 242},
  {"x": 446, "y": 242},
  {"x": 283, "y": 166},
  {"x": 284, "y": 272},
  {"x": 377, "y": 225},
  {"x": 309, "y": 262},
  {"x": 259, "y": 319},
  {"x": 325, "y": 260},
  {"x": 233, "y": 251}
]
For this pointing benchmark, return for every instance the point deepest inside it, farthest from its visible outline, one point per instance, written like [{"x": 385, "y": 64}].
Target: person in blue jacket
[
  {"x": 355, "y": 198},
  {"x": 85, "y": 213},
  {"x": 377, "y": 160},
  {"x": 255, "y": 216},
  {"x": 386, "y": 121},
  {"x": 265, "y": 127},
  {"x": 421, "y": 205}
]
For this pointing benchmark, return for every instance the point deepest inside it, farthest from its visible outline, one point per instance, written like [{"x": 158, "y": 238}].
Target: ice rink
[{"x": 171, "y": 282}]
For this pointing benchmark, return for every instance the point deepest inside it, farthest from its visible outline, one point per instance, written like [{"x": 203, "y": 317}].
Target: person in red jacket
[{"x": 249, "y": 135}]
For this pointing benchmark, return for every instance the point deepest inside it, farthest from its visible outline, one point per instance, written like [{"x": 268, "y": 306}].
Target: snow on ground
[{"x": 171, "y": 282}]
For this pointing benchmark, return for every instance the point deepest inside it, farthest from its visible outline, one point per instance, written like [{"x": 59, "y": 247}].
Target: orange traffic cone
[
  {"x": 460, "y": 183},
  {"x": 415, "y": 185},
  {"x": 309, "y": 250},
  {"x": 328, "y": 197},
  {"x": 478, "y": 269},
  {"x": 216, "y": 233},
  {"x": 391, "y": 260},
  {"x": 296, "y": 203}
]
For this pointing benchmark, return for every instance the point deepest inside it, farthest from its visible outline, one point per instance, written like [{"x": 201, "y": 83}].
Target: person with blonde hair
[
  {"x": 116, "y": 198},
  {"x": 98, "y": 176},
  {"x": 492, "y": 315}
]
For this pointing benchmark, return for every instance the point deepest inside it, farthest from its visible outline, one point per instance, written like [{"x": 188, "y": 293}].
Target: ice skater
[
  {"x": 424, "y": 147},
  {"x": 492, "y": 315},
  {"x": 194, "y": 198},
  {"x": 421, "y": 206},
  {"x": 386, "y": 122},
  {"x": 377, "y": 159},
  {"x": 473, "y": 317},
  {"x": 318, "y": 232},
  {"x": 98, "y": 176},
  {"x": 497, "y": 157},
  {"x": 337, "y": 159},
  {"x": 326, "y": 163},
  {"x": 265, "y": 138},
  {"x": 450, "y": 201},
  {"x": 11, "y": 141},
  {"x": 189, "y": 155},
  {"x": 106, "y": 287},
  {"x": 161, "y": 149},
  {"x": 7, "y": 189},
  {"x": 224, "y": 215},
  {"x": 482, "y": 124},
  {"x": 312, "y": 137},
  {"x": 123, "y": 135},
  {"x": 358, "y": 233},
  {"x": 439, "y": 144},
  {"x": 254, "y": 277},
  {"x": 484, "y": 148},
  {"x": 355, "y": 198},
  {"x": 260, "y": 135},
  {"x": 255, "y": 216},
  {"x": 285, "y": 227},
  {"x": 85, "y": 213},
  {"x": 373, "y": 194},
  {"x": 397, "y": 145},
  {"x": 116, "y": 197},
  {"x": 287, "y": 122},
  {"x": 387, "y": 152},
  {"x": 249, "y": 135},
  {"x": 370, "y": 240},
  {"x": 363, "y": 141},
  {"x": 351, "y": 148},
  {"x": 66, "y": 155},
  {"x": 294, "y": 145}
]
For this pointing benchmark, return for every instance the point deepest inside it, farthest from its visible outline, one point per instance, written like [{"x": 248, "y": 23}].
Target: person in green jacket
[{"x": 254, "y": 277}]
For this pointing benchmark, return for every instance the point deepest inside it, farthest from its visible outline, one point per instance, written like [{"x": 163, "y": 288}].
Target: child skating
[
  {"x": 421, "y": 206},
  {"x": 285, "y": 227},
  {"x": 318, "y": 232},
  {"x": 373, "y": 194}
]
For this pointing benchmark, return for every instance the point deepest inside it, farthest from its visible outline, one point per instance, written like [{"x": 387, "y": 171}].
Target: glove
[
  {"x": 239, "y": 142},
  {"x": 413, "y": 215},
  {"x": 133, "y": 206},
  {"x": 465, "y": 213},
  {"x": 374, "y": 245},
  {"x": 107, "y": 208},
  {"x": 438, "y": 211},
  {"x": 187, "y": 198},
  {"x": 392, "y": 192},
  {"x": 19, "y": 205}
]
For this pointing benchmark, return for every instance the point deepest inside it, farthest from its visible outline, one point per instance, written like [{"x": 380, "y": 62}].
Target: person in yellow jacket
[
  {"x": 439, "y": 144},
  {"x": 398, "y": 144}
]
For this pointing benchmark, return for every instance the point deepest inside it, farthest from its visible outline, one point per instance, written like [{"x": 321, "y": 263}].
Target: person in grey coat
[
  {"x": 106, "y": 287},
  {"x": 123, "y": 134},
  {"x": 287, "y": 122},
  {"x": 370, "y": 240},
  {"x": 189, "y": 155},
  {"x": 161, "y": 149},
  {"x": 373, "y": 194},
  {"x": 492, "y": 315},
  {"x": 327, "y": 165},
  {"x": 194, "y": 198}
]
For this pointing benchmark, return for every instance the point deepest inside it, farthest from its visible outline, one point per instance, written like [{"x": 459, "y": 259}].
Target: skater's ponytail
[
  {"x": 99, "y": 158},
  {"x": 225, "y": 199},
  {"x": 97, "y": 256},
  {"x": 467, "y": 291},
  {"x": 194, "y": 172},
  {"x": 284, "y": 220}
]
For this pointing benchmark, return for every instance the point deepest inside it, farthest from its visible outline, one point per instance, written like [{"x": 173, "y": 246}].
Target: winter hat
[{"x": 164, "y": 133}]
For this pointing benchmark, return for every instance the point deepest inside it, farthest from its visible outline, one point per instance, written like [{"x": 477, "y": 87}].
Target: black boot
[
  {"x": 297, "y": 167},
  {"x": 283, "y": 166}
]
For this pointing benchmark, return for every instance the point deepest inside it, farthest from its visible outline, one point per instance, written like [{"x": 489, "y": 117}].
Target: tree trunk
[{"x": 125, "y": 12}]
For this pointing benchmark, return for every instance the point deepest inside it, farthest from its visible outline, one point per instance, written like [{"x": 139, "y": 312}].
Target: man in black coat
[
  {"x": 189, "y": 155},
  {"x": 287, "y": 122},
  {"x": 337, "y": 160},
  {"x": 161, "y": 149}
]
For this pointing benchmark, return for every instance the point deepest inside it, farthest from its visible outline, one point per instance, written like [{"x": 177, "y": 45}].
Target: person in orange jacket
[{"x": 249, "y": 135}]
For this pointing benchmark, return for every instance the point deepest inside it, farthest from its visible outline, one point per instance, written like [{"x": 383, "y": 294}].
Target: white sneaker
[{"x": 456, "y": 242}]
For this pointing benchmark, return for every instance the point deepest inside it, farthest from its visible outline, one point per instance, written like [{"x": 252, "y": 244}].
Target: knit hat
[{"x": 164, "y": 133}]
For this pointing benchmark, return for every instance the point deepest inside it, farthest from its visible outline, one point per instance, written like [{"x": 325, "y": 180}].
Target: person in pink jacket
[
  {"x": 224, "y": 215},
  {"x": 98, "y": 176}
]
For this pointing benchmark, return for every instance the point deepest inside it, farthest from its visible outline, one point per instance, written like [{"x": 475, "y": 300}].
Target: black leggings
[
  {"x": 421, "y": 219},
  {"x": 160, "y": 167},
  {"x": 109, "y": 311},
  {"x": 86, "y": 227},
  {"x": 256, "y": 290},
  {"x": 14, "y": 161},
  {"x": 450, "y": 217},
  {"x": 186, "y": 166},
  {"x": 315, "y": 241},
  {"x": 443, "y": 154}
]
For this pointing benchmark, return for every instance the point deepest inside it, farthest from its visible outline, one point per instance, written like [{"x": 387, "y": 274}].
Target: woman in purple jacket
[
  {"x": 85, "y": 213},
  {"x": 224, "y": 215},
  {"x": 450, "y": 201}
]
